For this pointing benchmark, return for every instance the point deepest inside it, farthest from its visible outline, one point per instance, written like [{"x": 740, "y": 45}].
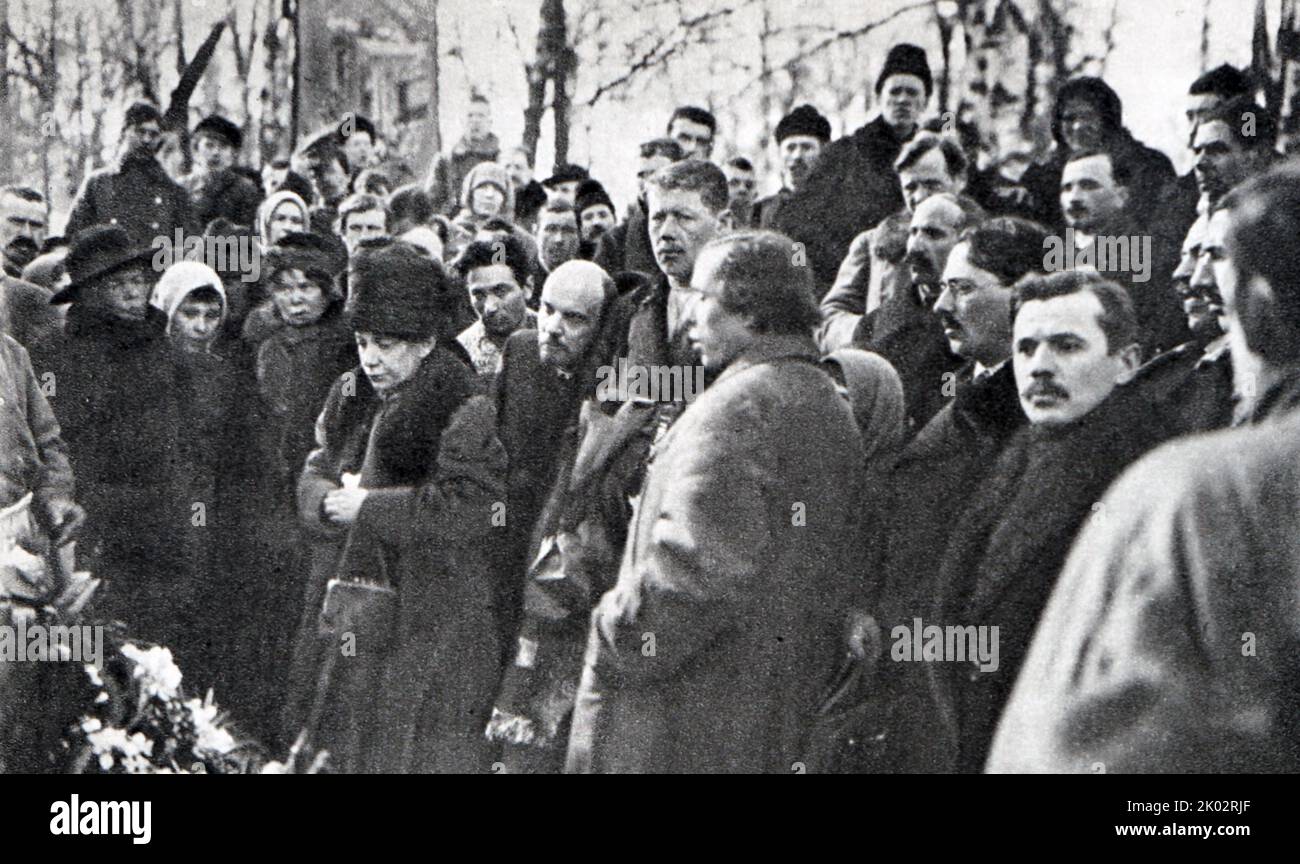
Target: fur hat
[
  {"x": 906, "y": 59},
  {"x": 220, "y": 128},
  {"x": 396, "y": 291},
  {"x": 804, "y": 120},
  {"x": 590, "y": 194},
  {"x": 321, "y": 258}
]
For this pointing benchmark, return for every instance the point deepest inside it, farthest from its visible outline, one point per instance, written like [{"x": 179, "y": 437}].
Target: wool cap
[
  {"x": 804, "y": 120},
  {"x": 395, "y": 291},
  {"x": 906, "y": 59}
]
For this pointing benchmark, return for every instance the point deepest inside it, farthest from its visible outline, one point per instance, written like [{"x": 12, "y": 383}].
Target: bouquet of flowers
[{"x": 140, "y": 722}]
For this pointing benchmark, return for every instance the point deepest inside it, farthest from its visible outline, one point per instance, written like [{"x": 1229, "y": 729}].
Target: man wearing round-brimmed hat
[
  {"x": 216, "y": 189},
  {"x": 378, "y": 512},
  {"x": 115, "y": 399},
  {"x": 135, "y": 194}
]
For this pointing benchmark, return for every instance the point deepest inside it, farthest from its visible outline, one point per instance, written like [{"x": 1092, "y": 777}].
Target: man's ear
[
  {"x": 726, "y": 221},
  {"x": 1123, "y": 196},
  {"x": 1130, "y": 359}
]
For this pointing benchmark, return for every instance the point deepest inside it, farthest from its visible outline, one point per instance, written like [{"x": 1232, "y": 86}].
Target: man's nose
[
  {"x": 1042, "y": 363},
  {"x": 945, "y": 302},
  {"x": 1203, "y": 275}
]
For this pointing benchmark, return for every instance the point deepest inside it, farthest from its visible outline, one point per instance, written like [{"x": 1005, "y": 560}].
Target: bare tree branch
[{"x": 687, "y": 33}]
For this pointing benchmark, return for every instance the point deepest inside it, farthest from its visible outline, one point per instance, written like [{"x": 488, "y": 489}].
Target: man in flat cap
[{"x": 216, "y": 187}]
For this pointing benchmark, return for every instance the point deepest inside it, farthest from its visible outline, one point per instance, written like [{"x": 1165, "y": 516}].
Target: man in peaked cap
[
  {"x": 564, "y": 182},
  {"x": 800, "y": 137},
  {"x": 216, "y": 187},
  {"x": 135, "y": 193},
  {"x": 854, "y": 185}
]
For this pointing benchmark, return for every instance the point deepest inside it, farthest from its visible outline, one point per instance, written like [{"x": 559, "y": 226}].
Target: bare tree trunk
[
  {"x": 431, "y": 145},
  {"x": 6, "y": 119}
]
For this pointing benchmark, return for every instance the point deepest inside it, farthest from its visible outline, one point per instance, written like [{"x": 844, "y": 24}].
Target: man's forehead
[
  {"x": 490, "y": 275},
  {"x": 1074, "y": 314},
  {"x": 674, "y": 199},
  {"x": 931, "y": 163},
  {"x": 1211, "y": 131},
  {"x": 1095, "y": 167},
  {"x": 11, "y": 202},
  {"x": 937, "y": 211},
  {"x": 1216, "y": 228},
  {"x": 903, "y": 80},
  {"x": 575, "y": 285},
  {"x": 690, "y": 127},
  {"x": 1195, "y": 234}
]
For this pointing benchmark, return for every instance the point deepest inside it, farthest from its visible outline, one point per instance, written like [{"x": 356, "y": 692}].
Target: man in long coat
[
  {"x": 725, "y": 622},
  {"x": 1169, "y": 644},
  {"x": 135, "y": 194}
]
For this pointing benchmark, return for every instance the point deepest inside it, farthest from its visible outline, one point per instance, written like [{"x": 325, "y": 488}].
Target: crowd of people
[{"x": 987, "y": 470}]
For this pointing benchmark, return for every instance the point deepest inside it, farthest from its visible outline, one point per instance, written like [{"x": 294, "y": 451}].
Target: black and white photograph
[{"x": 650, "y": 386}]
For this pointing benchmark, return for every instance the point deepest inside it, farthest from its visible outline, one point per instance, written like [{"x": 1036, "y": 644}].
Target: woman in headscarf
[
  {"x": 213, "y": 470},
  {"x": 281, "y": 213}
]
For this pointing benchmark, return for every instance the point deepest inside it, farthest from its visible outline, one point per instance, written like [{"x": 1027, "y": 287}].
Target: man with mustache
[
  {"x": 1088, "y": 115},
  {"x": 135, "y": 194},
  {"x": 1191, "y": 386},
  {"x": 542, "y": 380},
  {"x": 937, "y": 472},
  {"x": 902, "y": 329},
  {"x": 1170, "y": 641},
  {"x": 497, "y": 276},
  {"x": 1073, "y": 348},
  {"x": 31, "y": 320},
  {"x": 854, "y": 185},
  {"x": 1096, "y": 192},
  {"x": 800, "y": 137},
  {"x": 928, "y": 165}
]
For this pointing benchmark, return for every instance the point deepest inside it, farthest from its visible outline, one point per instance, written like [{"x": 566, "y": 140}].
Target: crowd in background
[{"x": 367, "y": 477}]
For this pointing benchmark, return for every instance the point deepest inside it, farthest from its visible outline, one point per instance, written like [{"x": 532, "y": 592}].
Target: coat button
[
  {"x": 153, "y": 225},
  {"x": 157, "y": 199},
  {"x": 112, "y": 221}
]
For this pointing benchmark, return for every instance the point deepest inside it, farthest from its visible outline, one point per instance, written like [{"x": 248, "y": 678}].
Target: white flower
[
  {"x": 210, "y": 737},
  {"x": 91, "y": 724},
  {"x": 92, "y": 672},
  {"x": 101, "y": 698},
  {"x": 105, "y": 760},
  {"x": 274, "y": 768},
  {"x": 156, "y": 670}
]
